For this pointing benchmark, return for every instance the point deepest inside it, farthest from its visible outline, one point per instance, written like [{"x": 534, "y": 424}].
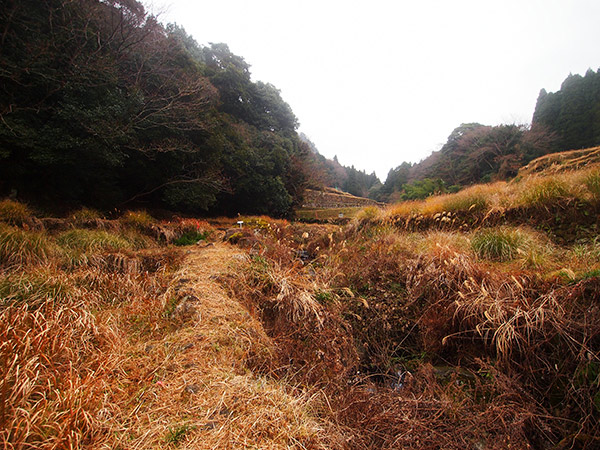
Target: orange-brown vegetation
[
  {"x": 563, "y": 161},
  {"x": 439, "y": 343},
  {"x": 372, "y": 335}
]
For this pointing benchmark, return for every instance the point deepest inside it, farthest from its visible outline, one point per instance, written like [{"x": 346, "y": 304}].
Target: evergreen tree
[{"x": 573, "y": 112}]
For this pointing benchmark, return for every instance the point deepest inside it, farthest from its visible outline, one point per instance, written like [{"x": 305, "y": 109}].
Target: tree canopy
[
  {"x": 563, "y": 120},
  {"x": 329, "y": 172},
  {"x": 104, "y": 106},
  {"x": 573, "y": 112}
]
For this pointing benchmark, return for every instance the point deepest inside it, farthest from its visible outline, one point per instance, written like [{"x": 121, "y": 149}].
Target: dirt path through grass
[
  {"x": 200, "y": 271},
  {"x": 201, "y": 389}
]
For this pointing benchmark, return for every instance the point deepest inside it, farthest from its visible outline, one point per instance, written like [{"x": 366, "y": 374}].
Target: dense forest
[
  {"x": 475, "y": 153},
  {"x": 573, "y": 112},
  {"x": 101, "y": 105}
]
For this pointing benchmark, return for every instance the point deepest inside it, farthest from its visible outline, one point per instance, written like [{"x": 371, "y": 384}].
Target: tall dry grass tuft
[
  {"x": 313, "y": 342},
  {"x": 35, "y": 287},
  {"x": 472, "y": 199},
  {"x": 426, "y": 297},
  {"x": 137, "y": 219},
  {"x": 546, "y": 340},
  {"x": 545, "y": 191},
  {"x": 85, "y": 216},
  {"x": 427, "y": 412},
  {"x": 65, "y": 337},
  {"x": 395, "y": 293},
  {"x": 402, "y": 209},
  {"x": 19, "y": 247},
  {"x": 368, "y": 214},
  {"x": 83, "y": 240},
  {"x": 592, "y": 182},
  {"x": 65, "y": 331},
  {"x": 89, "y": 247},
  {"x": 49, "y": 374},
  {"x": 14, "y": 213}
]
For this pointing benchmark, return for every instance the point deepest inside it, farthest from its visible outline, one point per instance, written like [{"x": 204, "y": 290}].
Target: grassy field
[{"x": 462, "y": 321}]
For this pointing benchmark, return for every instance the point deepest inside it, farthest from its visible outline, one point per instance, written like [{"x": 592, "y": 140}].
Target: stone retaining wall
[{"x": 334, "y": 199}]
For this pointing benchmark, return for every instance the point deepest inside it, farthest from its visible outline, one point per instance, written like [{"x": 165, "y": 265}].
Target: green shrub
[
  {"x": 190, "y": 238},
  {"x": 499, "y": 244},
  {"x": 418, "y": 190},
  {"x": 13, "y": 212}
]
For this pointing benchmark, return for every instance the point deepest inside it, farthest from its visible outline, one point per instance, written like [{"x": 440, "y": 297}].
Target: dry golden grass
[
  {"x": 563, "y": 161},
  {"x": 14, "y": 213},
  {"x": 52, "y": 373},
  {"x": 531, "y": 191},
  {"x": 400, "y": 295},
  {"x": 297, "y": 340},
  {"x": 84, "y": 216},
  {"x": 19, "y": 247},
  {"x": 133, "y": 359},
  {"x": 194, "y": 386},
  {"x": 472, "y": 199},
  {"x": 430, "y": 294},
  {"x": 294, "y": 308},
  {"x": 58, "y": 351},
  {"x": 136, "y": 219}
]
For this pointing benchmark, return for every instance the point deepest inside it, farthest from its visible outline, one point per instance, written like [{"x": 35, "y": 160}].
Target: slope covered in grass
[
  {"x": 563, "y": 161},
  {"x": 564, "y": 203}
]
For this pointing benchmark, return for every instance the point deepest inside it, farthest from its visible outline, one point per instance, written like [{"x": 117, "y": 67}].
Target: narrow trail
[
  {"x": 202, "y": 391},
  {"x": 199, "y": 273}
]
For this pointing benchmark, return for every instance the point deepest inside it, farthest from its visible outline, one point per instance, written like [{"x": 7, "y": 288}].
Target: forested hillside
[
  {"x": 475, "y": 153},
  {"x": 101, "y": 105},
  {"x": 329, "y": 172},
  {"x": 573, "y": 112}
]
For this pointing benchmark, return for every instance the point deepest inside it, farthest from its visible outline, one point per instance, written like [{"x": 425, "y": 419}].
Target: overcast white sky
[{"x": 380, "y": 82}]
